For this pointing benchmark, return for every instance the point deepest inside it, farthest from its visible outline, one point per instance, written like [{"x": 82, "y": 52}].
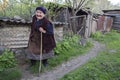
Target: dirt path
[{"x": 66, "y": 67}]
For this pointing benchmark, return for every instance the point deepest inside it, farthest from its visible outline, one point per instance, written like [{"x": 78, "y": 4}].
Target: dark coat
[{"x": 35, "y": 38}]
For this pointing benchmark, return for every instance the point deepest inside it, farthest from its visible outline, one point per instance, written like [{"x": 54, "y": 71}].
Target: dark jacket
[{"x": 35, "y": 38}]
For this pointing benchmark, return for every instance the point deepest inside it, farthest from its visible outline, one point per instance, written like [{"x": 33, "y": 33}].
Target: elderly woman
[{"x": 40, "y": 24}]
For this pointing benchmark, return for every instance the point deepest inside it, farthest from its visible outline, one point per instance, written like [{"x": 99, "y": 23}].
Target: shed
[
  {"x": 116, "y": 18},
  {"x": 83, "y": 21},
  {"x": 88, "y": 22}
]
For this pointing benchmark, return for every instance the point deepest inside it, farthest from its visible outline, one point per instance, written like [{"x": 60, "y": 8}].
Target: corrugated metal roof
[
  {"x": 22, "y": 21},
  {"x": 105, "y": 11}
]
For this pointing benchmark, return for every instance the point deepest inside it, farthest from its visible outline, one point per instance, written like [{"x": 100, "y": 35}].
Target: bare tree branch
[
  {"x": 68, "y": 2},
  {"x": 82, "y": 4},
  {"x": 75, "y": 3}
]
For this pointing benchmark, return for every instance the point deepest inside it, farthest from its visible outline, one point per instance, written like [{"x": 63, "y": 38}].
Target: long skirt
[{"x": 33, "y": 56}]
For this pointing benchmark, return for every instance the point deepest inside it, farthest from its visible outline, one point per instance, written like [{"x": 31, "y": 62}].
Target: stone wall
[
  {"x": 16, "y": 36},
  {"x": 58, "y": 33}
]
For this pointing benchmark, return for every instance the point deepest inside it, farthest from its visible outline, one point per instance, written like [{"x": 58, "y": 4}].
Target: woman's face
[{"x": 39, "y": 14}]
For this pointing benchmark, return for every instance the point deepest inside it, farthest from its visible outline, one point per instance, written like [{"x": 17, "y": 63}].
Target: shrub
[
  {"x": 7, "y": 60},
  {"x": 8, "y": 67},
  {"x": 66, "y": 44},
  {"x": 97, "y": 36}
]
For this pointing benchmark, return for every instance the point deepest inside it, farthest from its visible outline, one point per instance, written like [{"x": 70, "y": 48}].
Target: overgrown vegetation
[
  {"x": 7, "y": 60},
  {"x": 53, "y": 9},
  {"x": 8, "y": 64},
  {"x": 10, "y": 74},
  {"x": 67, "y": 44},
  {"x": 105, "y": 66},
  {"x": 97, "y": 36},
  {"x": 25, "y": 8},
  {"x": 65, "y": 50}
]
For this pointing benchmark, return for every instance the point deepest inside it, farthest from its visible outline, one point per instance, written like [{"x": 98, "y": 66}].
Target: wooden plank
[
  {"x": 117, "y": 23},
  {"x": 78, "y": 16}
]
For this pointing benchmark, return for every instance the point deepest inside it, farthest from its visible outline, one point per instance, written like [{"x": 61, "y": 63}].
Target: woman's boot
[{"x": 45, "y": 62}]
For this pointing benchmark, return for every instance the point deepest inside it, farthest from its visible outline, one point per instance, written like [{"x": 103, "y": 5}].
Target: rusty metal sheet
[
  {"x": 109, "y": 24},
  {"x": 104, "y": 23},
  {"x": 100, "y": 23}
]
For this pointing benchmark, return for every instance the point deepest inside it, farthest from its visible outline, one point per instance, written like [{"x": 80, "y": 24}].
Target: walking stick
[{"x": 40, "y": 64}]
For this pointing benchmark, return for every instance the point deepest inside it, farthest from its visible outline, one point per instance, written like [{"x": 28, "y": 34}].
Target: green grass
[
  {"x": 65, "y": 53},
  {"x": 10, "y": 74},
  {"x": 106, "y": 66}
]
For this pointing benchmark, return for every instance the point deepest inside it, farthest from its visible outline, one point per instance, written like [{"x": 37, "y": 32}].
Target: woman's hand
[{"x": 42, "y": 30}]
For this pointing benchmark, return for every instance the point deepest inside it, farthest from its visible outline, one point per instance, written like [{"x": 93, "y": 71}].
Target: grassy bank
[{"x": 106, "y": 66}]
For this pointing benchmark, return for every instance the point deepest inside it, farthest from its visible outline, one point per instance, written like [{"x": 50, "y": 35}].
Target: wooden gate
[{"x": 78, "y": 24}]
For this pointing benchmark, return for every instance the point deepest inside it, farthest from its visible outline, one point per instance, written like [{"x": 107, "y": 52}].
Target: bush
[
  {"x": 66, "y": 44},
  {"x": 97, "y": 36},
  {"x": 7, "y": 60},
  {"x": 8, "y": 67}
]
